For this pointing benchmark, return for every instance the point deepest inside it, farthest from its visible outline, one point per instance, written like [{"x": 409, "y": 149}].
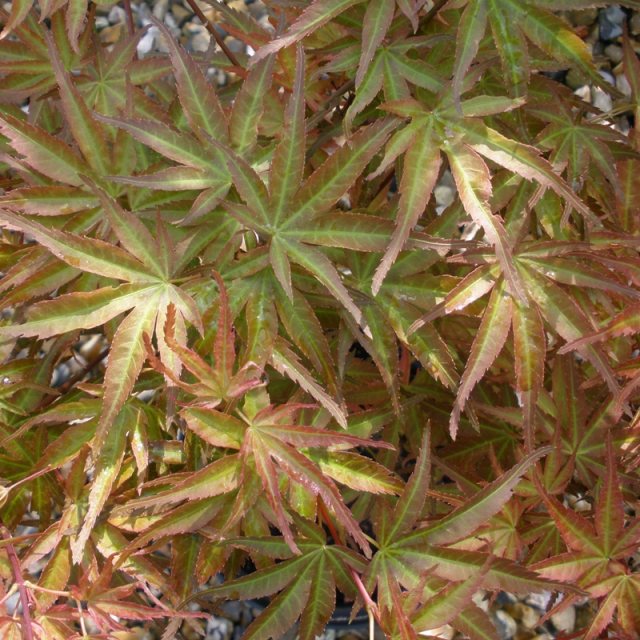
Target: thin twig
[
  {"x": 83, "y": 628},
  {"x": 27, "y": 623},
  {"x": 129, "y": 17},
  {"x": 212, "y": 30},
  {"x": 437, "y": 5},
  {"x": 331, "y": 103}
]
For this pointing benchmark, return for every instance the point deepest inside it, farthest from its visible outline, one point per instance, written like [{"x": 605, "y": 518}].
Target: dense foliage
[{"x": 295, "y": 376}]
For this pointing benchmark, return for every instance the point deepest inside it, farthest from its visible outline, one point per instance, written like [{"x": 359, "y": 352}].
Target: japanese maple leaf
[
  {"x": 223, "y": 380},
  {"x": 145, "y": 266},
  {"x": 597, "y": 554},
  {"x": 305, "y": 583},
  {"x": 543, "y": 270},
  {"x": 410, "y": 555},
  {"x": 271, "y": 444}
]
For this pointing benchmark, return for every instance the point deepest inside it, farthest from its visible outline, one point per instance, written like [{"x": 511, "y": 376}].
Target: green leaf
[
  {"x": 79, "y": 310},
  {"x": 107, "y": 466},
  {"x": 377, "y": 19},
  {"x": 330, "y": 181},
  {"x": 491, "y": 336},
  {"x": 248, "y": 106},
  {"x": 287, "y": 166},
  {"x": 529, "y": 347},
  {"x": 42, "y": 151},
  {"x": 84, "y": 253},
  {"x": 86, "y": 131},
  {"x": 312, "y": 18},
  {"x": 483, "y": 505},
  {"x": 471, "y": 28},
  {"x": 199, "y": 101},
  {"x": 126, "y": 358},
  {"x": 421, "y": 169}
]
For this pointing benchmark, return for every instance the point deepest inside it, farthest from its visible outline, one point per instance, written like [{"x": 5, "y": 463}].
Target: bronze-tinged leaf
[
  {"x": 491, "y": 336},
  {"x": 529, "y": 346},
  {"x": 474, "y": 186},
  {"x": 377, "y": 19},
  {"x": 421, "y": 169}
]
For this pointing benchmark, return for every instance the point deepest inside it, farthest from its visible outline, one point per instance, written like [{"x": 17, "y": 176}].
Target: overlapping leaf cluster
[{"x": 313, "y": 383}]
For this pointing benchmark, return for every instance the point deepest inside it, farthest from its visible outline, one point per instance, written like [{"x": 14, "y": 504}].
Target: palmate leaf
[
  {"x": 146, "y": 296},
  {"x": 306, "y": 584},
  {"x": 200, "y": 103},
  {"x": 596, "y": 556},
  {"x": 407, "y": 552}
]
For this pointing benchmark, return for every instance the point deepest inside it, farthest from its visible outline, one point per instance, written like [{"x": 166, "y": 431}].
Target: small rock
[
  {"x": 505, "y": 624},
  {"x": 145, "y": 45},
  {"x": 584, "y": 93},
  {"x": 235, "y": 45},
  {"x": 117, "y": 15},
  {"x": 634, "y": 24},
  {"x": 582, "y": 18},
  {"x": 160, "y": 9},
  {"x": 238, "y": 5},
  {"x": 614, "y": 53},
  {"x": 539, "y": 600},
  {"x": 608, "y": 77},
  {"x": 200, "y": 39},
  {"x": 180, "y": 13},
  {"x": 527, "y": 616},
  {"x": 112, "y": 33},
  {"x": 256, "y": 9},
  {"x": 481, "y": 601},
  {"x": 574, "y": 79},
  {"x": 172, "y": 25},
  {"x": 601, "y": 100},
  {"x": 444, "y": 195},
  {"x": 12, "y": 604},
  {"x": 219, "y": 628},
  {"x": 565, "y": 620},
  {"x": 101, "y": 22},
  {"x": 610, "y": 22},
  {"x": 446, "y": 632}
]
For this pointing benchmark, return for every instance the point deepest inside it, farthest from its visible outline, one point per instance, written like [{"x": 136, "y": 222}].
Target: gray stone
[
  {"x": 614, "y": 53},
  {"x": 116, "y": 15},
  {"x": 574, "y": 79},
  {"x": 219, "y": 628},
  {"x": 235, "y": 45},
  {"x": 505, "y": 624},
  {"x": 145, "y": 45},
  {"x": 584, "y": 93},
  {"x": 565, "y": 620},
  {"x": 610, "y": 21},
  {"x": 602, "y": 101},
  {"x": 539, "y": 600},
  {"x": 180, "y": 13},
  {"x": 200, "y": 39},
  {"x": 160, "y": 8}
]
